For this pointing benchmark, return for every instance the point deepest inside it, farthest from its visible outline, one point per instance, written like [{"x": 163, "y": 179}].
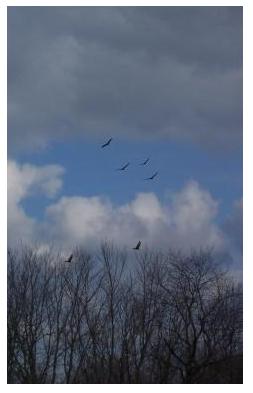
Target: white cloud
[
  {"x": 23, "y": 181},
  {"x": 77, "y": 219},
  {"x": 26, "y": 179},
  {"x": 185, "y": 221},
  {"x": 194, "y": 211}
]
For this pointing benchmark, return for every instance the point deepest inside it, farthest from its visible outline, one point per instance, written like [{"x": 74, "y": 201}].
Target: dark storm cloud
[{"x": 132, "y": 71}]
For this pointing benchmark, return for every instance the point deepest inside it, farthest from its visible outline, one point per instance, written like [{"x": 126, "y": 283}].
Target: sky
[{"x": 166, "y": 84}]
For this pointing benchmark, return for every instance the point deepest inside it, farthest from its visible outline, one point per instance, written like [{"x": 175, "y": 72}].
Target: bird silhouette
[
  {"x": 123, "y": 167},
  {"x": 137, "y": 246},
  {"x": 107, "y": 143},
  {"x": 69, "y": 259},
  {"x": 145, "y": 162},
  {"x": 152, "y": 177}
]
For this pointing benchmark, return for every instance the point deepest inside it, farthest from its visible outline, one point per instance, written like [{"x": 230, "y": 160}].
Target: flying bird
[
  {"x": 137, "y": 246},
  {"x": 123, "y": 167},
  {"x": 107, "y": 143},
  {"x": 145, "y": 162},
  {"x": 69, "y": 259},
  {"x": 152, "y": 177}
]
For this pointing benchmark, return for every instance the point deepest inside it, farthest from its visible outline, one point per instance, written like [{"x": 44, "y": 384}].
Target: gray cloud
[
  {"x": 233, "y": 227},
  {"x": 164, "y": 72}
]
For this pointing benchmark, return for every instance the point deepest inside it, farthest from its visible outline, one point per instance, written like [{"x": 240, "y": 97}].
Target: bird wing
[
  {"x": 137, "y": 245},
  {"x": 69, "y": 258},
  {"x": 144, "y": 162},
  {"x": 123, "y": 167},
  {"x": 107, "y": 143}
]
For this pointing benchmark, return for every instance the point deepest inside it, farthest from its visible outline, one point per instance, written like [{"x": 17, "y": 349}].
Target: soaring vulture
[
  {"x": 107, "y": 143},
  {"x": 123, "y": 167},
  {"x": 137, "y": 246},
  {"x": 152, "y": 177},
  {"x": 145, "y": 162},
  {"x": 69, "y": 259}
]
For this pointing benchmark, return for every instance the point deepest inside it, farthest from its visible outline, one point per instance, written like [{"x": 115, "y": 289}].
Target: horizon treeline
[{"x": 110, "y": 318}]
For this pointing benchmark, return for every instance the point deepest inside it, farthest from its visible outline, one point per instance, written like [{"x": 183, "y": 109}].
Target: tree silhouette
[{"x": 109, "y": 318}]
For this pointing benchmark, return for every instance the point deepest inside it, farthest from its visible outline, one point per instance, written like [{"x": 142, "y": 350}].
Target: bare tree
[
  {"x": 109, "y": 318},
  {"x": 200, "y": 302}
]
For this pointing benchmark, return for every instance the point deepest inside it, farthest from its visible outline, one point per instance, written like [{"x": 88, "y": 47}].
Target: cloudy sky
[{"x": 164, "y": 83}]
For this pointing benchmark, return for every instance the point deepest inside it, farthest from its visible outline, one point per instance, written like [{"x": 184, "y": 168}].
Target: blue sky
[
  {"x": 164, "y": 83},
  {"x": 90, "y": 170}
]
